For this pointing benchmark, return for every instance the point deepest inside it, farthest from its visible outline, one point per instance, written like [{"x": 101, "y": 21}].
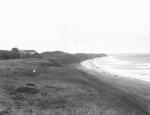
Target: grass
[{"x": 57, "y": 90}]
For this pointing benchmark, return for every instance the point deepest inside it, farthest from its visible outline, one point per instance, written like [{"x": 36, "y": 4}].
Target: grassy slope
[
  {"x": 66, "y": 58},
  {"x": 58, "y": 90}
]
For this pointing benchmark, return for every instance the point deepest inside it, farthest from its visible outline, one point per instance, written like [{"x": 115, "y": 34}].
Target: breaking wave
[{"x": 112, "y": 65}]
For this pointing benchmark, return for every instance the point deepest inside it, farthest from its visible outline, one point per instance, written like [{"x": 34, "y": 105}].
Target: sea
[{"x": 135, "y": 66}]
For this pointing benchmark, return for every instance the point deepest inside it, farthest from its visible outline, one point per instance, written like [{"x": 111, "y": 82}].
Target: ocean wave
[
  {"x": 142, "y": 66},
  {"x": 99, "y": 65}
]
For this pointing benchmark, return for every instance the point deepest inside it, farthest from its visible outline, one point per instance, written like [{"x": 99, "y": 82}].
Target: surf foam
[{"x": 107, "y": 64}]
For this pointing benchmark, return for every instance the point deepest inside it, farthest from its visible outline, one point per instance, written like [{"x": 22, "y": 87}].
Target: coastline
[
  {"x": 64, "y": 89},
  {"x": 129, "y": 85},
  {"x": 114, "y": 79},
  {"x": 137, "y": 89},
  {"x": 129, "y": 74}
]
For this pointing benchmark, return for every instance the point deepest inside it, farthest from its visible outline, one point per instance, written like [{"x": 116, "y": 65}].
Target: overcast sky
[{"x": 109, "y": 26}]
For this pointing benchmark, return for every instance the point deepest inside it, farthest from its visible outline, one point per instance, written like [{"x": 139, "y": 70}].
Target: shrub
[
  {"x": 4, "y": 54},
  {"x": 15, "y": 53},
  {"x": 28, "y": 90}
]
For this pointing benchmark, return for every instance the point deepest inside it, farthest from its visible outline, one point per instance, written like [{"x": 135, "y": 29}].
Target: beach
[{"x": 137, "y": 89}]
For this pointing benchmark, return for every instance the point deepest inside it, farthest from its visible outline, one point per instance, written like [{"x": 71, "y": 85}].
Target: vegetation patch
[
  {"x": 55, "y": 103},
  {"x": 50, "y": 62},
  {"x": 27, "y": 90},
  {"x": 30, "y": 84}
]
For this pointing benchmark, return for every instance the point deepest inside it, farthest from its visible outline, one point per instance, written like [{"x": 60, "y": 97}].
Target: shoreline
[
  {"x": 103, "y": 71},
  {"x": 137, "y": 89},
  {"x": 90, "y": 64},
  {"x": 126, "y": 84}
]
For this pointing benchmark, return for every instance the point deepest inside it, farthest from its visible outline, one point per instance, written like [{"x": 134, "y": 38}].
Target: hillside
[
  {"x": 49, "y": 86},
  {"x": 66, "y": 58}
]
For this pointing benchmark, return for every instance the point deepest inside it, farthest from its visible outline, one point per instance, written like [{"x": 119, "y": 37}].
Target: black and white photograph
[{"x": 74, "y": 57}]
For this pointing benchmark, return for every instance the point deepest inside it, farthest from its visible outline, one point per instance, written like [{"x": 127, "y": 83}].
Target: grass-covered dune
[
  {"x": 46, "y": 86},
  {"x": 67, "y": 58}
]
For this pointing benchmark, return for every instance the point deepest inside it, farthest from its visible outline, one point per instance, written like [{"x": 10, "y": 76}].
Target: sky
[{"x": 98, "y": 26}]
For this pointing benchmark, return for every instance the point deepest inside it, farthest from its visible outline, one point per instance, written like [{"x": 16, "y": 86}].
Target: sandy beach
[{"x": 137, "y": 89}]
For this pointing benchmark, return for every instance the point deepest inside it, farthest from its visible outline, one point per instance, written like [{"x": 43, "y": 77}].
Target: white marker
[{"x": 34, "y": 71}]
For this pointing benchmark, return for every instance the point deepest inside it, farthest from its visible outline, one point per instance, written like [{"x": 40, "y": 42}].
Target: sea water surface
[{"x": 136, "y": 66}]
